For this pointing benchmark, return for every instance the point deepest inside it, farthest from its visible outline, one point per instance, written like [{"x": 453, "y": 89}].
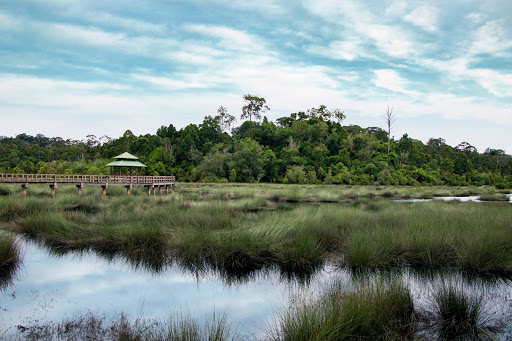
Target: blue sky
[{"x": 70, "y": 68}]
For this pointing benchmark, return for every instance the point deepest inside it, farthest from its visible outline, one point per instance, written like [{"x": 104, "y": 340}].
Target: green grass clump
[
  {"x": 377, "y": 311},
  {"x": 247, "y": 234},
  {"x": 4, "y": 190},
  {"x": 459, "y": 315},
  {"x": 10, "y": 258},
  {"x": 494, "y": 197}
]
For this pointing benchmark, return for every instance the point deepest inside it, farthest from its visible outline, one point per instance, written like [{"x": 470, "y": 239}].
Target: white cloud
[
  {"x": 425, "y": 17},
  {"x": 97, "y": 17},
  {"x": 397, "y": 8},
  {"x": 391, "y": 80},
  {"x": 8, "y": 22},
  {"x": 491, "y": 38},
  {"x": 265, "y": 6},
  {"x": 496, "y": 83},
  {"x": 349, "y": 49},
  {"x": 349, "y": 76},
  {"x": 363, "y": 25},
  {"x": 229, "y": 38},
  {"x": 475, "y": 17}
]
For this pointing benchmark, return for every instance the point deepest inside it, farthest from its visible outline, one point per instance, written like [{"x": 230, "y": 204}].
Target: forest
[{"x": 311, "y": 147}]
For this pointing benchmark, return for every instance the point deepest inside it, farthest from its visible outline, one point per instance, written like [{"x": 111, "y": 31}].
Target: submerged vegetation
[{"x": 92, "y": 326}]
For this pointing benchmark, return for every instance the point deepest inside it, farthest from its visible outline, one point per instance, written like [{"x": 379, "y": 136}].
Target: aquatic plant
[
  {"x": 382, "y": 310},
  {"x": 10, "y": 258},
  {"x": 458, "y": 314},
  {"x": 94, "y": 326}
]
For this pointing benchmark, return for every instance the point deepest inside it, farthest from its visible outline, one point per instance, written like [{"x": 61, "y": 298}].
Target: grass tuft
[
  {"x": 460, "y": 315},
  {"x": 377, "y": 311},
  {"x": 10, "y": 259}
]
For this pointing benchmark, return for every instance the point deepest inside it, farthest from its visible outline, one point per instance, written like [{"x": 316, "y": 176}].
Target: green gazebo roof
[
  {"x": 126, "y": 156},
  {"x": 125, "y": 160}
]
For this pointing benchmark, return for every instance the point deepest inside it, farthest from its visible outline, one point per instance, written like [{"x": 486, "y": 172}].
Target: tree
[
  {"x": 225, "y": 120},
  {"x": 338, "y": 115},
  {"x": 254, "y": 107},
  {"x": 390, "y": 119}
]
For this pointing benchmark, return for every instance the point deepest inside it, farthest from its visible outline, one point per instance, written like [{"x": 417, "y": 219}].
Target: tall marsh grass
[
  {"x": 10, "y": 258},
  {"x": 460, "y": 314},
  {"x": 381, "y": 310},
  {"x": 248, "y": 234}
]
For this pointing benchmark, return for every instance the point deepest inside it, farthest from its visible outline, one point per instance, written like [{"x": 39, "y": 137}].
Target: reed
[
  {"x": 245, "y": 234},
  {"x": 382, "y": 310},
  {"x": 94, "y": 326},
  {"x": 10, "y": 259},
  {"x": 458, "y": 314}
]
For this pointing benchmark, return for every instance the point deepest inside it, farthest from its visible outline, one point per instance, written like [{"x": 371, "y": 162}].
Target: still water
[{"x": 51, "y": 288}]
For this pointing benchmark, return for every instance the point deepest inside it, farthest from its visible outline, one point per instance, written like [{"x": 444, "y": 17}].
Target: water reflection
[{"x": 55, "y": 284}]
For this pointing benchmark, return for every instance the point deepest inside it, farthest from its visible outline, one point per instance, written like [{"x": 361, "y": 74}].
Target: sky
[{"x": 71, "y": 68}]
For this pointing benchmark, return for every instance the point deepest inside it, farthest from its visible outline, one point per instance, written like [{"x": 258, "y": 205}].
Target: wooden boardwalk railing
[
  {"x": 86, "y": 179},
  {"x": 80, "y": 180}
]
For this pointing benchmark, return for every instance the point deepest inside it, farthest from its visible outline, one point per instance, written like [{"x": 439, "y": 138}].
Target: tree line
[{"x": 310, "y": 147}]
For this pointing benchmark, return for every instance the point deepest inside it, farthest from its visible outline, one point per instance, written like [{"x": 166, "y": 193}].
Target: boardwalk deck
[{"x": 80, "y": 180}]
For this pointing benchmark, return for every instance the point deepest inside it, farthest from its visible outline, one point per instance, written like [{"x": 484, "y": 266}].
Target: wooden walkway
[{"x": 150, "y": 182}]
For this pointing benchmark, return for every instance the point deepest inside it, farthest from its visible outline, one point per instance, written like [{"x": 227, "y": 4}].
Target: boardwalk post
[
  {"x": 149, "y": 182},
  {"x": 24, "y": 189},
  {"x": 52, "y": 187}
]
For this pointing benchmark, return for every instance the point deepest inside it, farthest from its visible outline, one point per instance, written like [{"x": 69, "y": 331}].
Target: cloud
[
  {"x": 349, "y": 49},
  {"x": 391, "y": 80},
  {"x": 496, "y": 83},
  {"x": 8, "y": 22},
  {"x": 129, "y": 24},
  {"x": 363, "y": 25},
  {"x": 425, "y": 17},
  {"x": 229, "y": 38},
  {"x": 491, "y": 38}
]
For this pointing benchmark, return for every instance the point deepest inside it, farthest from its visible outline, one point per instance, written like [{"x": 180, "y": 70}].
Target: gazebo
[{"x": 125, "y": 160}]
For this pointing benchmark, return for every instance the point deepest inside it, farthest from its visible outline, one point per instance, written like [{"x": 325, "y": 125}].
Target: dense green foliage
[{"x": 304, "y": 148}]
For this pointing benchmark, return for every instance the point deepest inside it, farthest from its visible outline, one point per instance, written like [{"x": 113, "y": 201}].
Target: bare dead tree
[{"x": 390, "y": 119}]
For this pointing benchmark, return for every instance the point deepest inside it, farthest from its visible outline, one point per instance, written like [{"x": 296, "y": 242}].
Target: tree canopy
[{"x": 306, "y": 147}]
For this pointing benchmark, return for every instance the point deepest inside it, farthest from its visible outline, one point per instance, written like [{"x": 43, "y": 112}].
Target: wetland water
[{"x": 50, "y": 288}]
